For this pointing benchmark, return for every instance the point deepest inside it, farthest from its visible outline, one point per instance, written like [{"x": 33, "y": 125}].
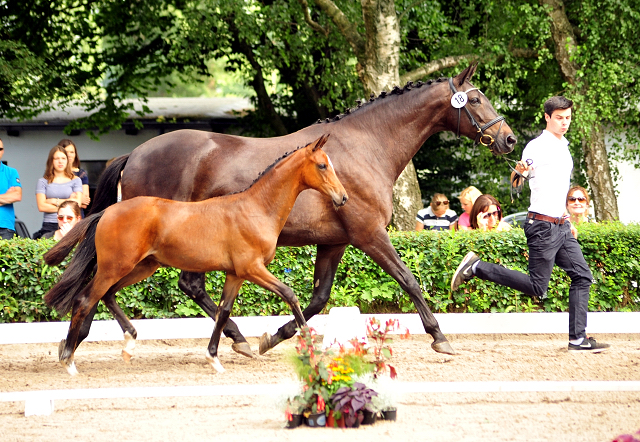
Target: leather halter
[{"x": 481, "y": 137}]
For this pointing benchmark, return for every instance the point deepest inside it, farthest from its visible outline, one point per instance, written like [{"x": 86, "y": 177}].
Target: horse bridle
[{"x": 482, "y": 138}]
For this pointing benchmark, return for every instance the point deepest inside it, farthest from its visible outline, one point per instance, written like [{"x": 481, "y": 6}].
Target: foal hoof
[
  {"x": 265, "y": 343},
  {"x": 243, "y": 348},
  {"x": 126, "y": 357},
  {"x": 129, "y": 347},
  {"x": 443, "y": 347}
]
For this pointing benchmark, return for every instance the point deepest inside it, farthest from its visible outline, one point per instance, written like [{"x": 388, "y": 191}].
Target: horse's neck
[
  {"x": 276, "y": 191},
  {"x": 400, "y": 124}
]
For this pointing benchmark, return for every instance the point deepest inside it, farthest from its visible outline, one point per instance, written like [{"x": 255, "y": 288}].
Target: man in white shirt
[{"x": 548, "y": 162}]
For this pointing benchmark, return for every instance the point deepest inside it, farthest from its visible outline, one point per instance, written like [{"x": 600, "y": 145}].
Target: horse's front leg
[
  {"x": 193, "y": 285},
  {"x": 378, "y": 246},
  {"x": 327, "y": 261},
  {"x": 230, "y": 291}
]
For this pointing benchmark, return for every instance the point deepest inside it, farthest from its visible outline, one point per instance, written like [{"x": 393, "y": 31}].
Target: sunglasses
[
  {"x": 437, "y": 203},
  {"x": 68, "y": 217},
  {"x": 496, "y": 214},
  {"x": 577, "y": 198}
]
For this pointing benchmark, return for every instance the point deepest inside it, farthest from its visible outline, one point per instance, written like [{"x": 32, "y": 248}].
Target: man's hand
[{"x": 522, "y": 168}]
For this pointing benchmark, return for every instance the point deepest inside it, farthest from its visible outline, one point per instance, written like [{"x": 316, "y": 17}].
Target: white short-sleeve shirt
[{"x": 551, "y": 175}]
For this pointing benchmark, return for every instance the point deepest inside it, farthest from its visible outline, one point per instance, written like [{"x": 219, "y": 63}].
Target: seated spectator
[
  {"x": 578, "y": 203},
  {"x": 437, "y": 216},
  {"x": 467, "y": 197},
  {"x": 68, "y": 216},
  {"x": 487, "y": 215}
]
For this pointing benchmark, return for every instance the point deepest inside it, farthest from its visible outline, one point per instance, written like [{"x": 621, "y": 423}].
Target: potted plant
[
  {"x": 294, "y": 411},
  {"x": 385, "y": 402},
  {"x": 350, "y": 402}
]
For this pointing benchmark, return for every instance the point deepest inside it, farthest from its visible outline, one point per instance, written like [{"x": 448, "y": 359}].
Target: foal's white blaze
[{"x": 330, "y": 163}]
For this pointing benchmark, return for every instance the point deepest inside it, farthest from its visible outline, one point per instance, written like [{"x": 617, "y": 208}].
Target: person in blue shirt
[{"x": 10, "y": 192}]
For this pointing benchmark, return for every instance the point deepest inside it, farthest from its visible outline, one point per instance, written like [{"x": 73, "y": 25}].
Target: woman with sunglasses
[
  {"x": 68, "y": 216},
  {"x": 578, "y": 205},
  {"x": 438, "y": 216},
  {"x": 56, "y": 186},
  {"x": 486, "y": 214}
]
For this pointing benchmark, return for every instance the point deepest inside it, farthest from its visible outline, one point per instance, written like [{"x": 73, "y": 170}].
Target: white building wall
[
  {"x": 28, "y": 154},
  {"x": 628, "y": 188}
]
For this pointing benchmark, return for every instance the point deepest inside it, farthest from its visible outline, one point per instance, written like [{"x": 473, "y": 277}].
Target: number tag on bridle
[{"x": 459, "y": 99}]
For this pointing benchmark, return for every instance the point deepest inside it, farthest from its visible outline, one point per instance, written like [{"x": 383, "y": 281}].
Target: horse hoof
[
  {"x": 215, "y": 362},
  {"x": 70, "y": 367},
  {"x": 243, "y": 348},
  {"x": 265, "y": 343},
  {"x": 129, "y": 347},
  {"x": 443, "y": 347}
]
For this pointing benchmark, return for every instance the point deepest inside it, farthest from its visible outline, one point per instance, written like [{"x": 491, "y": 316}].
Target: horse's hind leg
[
  {"x": 327, "y": 261},
  {"x": 232, "y": 285},
  {"x": 82, "y": 307},
  {"x": 130, "y": 333},
  {"x": 193, "y": 285}
]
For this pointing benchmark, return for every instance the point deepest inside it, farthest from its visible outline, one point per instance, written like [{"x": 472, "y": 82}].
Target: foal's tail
[
  {"x": 81, "y": 267},
  {"x": 107, "y": 191}
]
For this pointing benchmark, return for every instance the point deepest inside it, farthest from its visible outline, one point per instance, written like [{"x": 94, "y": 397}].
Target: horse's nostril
[{"x": 511, "y": 140}]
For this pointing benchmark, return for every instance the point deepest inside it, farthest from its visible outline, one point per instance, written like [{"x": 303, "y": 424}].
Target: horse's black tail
[
  {"x": 107, "y": 191},
  {"x": 81, "y": 267}
]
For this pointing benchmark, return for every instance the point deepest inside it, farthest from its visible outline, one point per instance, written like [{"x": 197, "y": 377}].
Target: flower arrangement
[{"x": 329, "y": 378}]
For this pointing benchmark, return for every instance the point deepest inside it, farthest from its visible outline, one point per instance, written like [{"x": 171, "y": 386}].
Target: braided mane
[{"x": 395, "y": 91}]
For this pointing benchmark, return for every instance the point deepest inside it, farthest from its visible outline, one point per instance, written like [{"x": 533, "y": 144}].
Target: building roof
[{"x": 191, "y": 112}]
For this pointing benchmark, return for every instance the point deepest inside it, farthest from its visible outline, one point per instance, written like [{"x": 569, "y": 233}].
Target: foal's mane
[
  {"x": 372, "y": 98},
  {"x": 261, "y": 174}
]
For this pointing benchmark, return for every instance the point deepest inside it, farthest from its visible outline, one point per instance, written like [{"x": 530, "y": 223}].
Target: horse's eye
[
  {"x": 474, "y": 100},
  {"x": 322, "y": 166}
]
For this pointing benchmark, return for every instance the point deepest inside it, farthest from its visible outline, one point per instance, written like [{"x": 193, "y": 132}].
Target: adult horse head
[{"x": 370, "y": 145}]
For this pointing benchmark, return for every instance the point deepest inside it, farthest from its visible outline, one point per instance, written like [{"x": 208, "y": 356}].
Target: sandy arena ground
[{"x": 546, "y": 416}]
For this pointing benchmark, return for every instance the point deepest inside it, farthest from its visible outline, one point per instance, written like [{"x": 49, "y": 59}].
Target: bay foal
[{"x": 235, "y": 233}]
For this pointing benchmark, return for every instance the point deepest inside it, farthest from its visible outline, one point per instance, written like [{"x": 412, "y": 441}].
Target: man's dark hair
[{"x": 555, "y": 103}]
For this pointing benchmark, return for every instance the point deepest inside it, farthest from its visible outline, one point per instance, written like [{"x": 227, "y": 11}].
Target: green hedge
[{"x": 610, "y": 249}]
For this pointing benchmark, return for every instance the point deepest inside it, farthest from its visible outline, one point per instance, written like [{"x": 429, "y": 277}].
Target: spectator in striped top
[{"x": 438, "y": 216}]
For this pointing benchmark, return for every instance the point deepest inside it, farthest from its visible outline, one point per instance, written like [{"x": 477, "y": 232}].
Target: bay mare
[
  {"x": 236, "y": 233},
  {"x": 370, "y": 146}
]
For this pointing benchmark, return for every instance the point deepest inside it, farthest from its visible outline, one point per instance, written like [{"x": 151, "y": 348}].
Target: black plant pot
[
  {"x": 369, "y": 417},
  {"x": 389, "y": 415},
  {"x": 296, "y": 421},
  {"x": 316, "y": 420}
]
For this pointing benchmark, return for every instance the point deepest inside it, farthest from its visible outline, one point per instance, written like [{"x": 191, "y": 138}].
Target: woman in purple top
[{"x": 58, "y": 184}]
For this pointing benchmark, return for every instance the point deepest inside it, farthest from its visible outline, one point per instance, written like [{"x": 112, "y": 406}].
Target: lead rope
[{"x": 517, "y": 189}]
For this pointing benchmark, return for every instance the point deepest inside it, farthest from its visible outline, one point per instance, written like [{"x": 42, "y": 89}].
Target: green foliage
[{"x": 609, "y": 248}]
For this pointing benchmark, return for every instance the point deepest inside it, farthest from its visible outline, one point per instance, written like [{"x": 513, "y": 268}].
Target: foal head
[{"x": 318, "y": 173}]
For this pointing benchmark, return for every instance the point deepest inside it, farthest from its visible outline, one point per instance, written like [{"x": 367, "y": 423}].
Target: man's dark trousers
[{"x": 549, "y": 244}]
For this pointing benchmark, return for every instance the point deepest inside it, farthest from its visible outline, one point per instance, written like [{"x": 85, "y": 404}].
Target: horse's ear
[
  {"x": 320, "y": 142},
  {"x": 466, "y": 74}
]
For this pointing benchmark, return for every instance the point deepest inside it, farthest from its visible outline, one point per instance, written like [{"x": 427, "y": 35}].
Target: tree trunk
[
  {"x": 593, "y": 147},
  {"x": 380, "y": 71},
  {"x": 599, "y": 175},
  {"x": 407, "y": 199}
]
